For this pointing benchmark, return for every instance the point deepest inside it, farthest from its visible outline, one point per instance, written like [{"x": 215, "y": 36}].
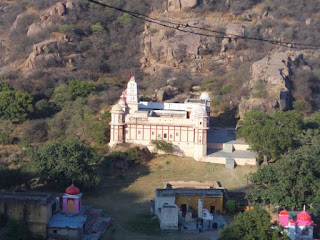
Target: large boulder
[
  {"x": 269, "y": 83},
  {"x": 188, "y": 3},
  {"x": 176, "y": 5},
  {"x": 167, "y": 92}
]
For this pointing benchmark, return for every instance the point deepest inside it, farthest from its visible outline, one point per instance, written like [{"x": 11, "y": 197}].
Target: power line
[{"x": 184, "y": 27}]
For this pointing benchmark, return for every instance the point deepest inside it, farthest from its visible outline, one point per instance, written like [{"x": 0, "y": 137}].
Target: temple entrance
[
  {"x": 183, "y": 209},
  {"x": 70, "y": 206},
  {"x": 212, "y": 209}
]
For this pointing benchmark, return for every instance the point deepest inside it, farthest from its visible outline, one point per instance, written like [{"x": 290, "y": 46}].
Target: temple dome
[
  {"x": 204, "y": 96},
  {"x": 117, "y": 107},
  {"x": 72, "y": 190},
  {"x": 304, "y": 216},
  {"x": 284, "y": 213},
  {"x": 121, "y": 102}
]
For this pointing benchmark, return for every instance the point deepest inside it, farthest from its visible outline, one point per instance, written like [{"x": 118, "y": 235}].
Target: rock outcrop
[
  {"x": 177, "y": 5},
  {"x": 166, "y": 93},
  {"x": 48, "y": 17},
  {"x": 270, "y": 88},
  {"x": 49, "y": 53}
]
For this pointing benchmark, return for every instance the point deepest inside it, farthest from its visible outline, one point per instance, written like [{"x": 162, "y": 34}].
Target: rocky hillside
[{"x": 44, "y": 44}]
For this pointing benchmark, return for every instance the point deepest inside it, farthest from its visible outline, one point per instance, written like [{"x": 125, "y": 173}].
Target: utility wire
[{"x": 184, "y": 27}]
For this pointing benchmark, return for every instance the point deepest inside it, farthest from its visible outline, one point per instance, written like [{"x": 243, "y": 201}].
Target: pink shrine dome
[
  {"x": 304, "y": 219},
  {"x": 284, "y": 213},
  {"x": 72, "y": 190}
]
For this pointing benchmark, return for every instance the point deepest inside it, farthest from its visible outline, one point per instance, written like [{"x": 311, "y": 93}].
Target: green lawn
[{"x": 125, "y": 195}]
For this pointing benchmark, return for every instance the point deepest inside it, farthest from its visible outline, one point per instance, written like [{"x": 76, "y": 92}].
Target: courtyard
[{"x": 125, "y": 195}]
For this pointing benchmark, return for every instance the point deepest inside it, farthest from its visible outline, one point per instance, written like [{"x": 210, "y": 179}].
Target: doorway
[{"x": 212, "y": 209}]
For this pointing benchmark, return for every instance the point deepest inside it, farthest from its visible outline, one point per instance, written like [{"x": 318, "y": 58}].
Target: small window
[
  {"x": 139, "y": 132},
  {"x": 170, "y": 135},
  {"x": 152, "y": 133},
  {"x": 177, "y": 134},
  {"x": 200, "y": 123},
  {"x": 159, "y": 135},
  {"x": 126, "y": 131},
  {"x": 165, "y": 135},
  {"x": 55, "y": 231}
]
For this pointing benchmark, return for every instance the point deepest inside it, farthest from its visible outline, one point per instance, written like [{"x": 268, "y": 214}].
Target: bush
[
  {"x": 161, "y": 145},
  {"x": 80, "y": 88},
  {"x": 35, "y": 130},
  {"x": 45, "y": 109},
  {"x": 231, "y": 206},
  {"x": 14, "y": 105},
  {"x": 97, "y": 28},
  {"x": 5, "y": 137}
]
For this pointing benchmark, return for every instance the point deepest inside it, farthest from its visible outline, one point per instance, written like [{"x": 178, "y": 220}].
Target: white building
[{"x": 185, "y": 125}]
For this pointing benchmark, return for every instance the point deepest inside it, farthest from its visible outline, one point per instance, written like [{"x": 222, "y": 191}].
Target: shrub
[
  {"x": 45, "y": 109},
  {"x": 14, "y": 105},
  {"x": 231, "y": 206},
  {"x": 5, "y": 137},
  {"x": 80, "y": 88},
  {"x": 35, "y": 130},
  {"x": 65, "y": 28},
  {"x": 97, "y": 28},
  {"x": 161, "y": 145}
]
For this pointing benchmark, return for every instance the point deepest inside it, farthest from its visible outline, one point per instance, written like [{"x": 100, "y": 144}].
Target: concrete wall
[
  {"x": 207, "y": 202},
  {"x": 169, "y": 218},
  {"x": 65, "y": 234},
  {"x": 241, "y": 147},
  {"x": 32, "y": 212},
  {"x": 245, "y": 161},
  {"x": 160, "y": 201}
]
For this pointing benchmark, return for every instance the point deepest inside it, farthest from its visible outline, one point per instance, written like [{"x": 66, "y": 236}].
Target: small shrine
[
  {"x": 72, "y": 200},
  {"x": 300, "y": 227}
]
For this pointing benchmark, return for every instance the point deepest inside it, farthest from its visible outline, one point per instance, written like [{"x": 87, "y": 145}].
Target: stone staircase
[{"x": 96, "y": 225}]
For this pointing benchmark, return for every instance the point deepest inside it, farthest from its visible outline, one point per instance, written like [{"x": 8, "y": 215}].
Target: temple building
[
  {"x": 184, "y": 124},
  {"x": 299, "y": 227}
]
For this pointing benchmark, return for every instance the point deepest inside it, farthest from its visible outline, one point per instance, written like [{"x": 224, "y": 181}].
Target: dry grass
[{"x": 125, "y": 195}]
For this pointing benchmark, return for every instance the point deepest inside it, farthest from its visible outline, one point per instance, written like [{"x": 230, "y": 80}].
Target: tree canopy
[
  {"x": 253, "y": 224},
  {"x": 293, "y": 181},
  {"x": 63, "y": 161},
  {"x": 271, "y": 135},
  {"x": 14, "y": 105},
  {"x": 80, "y": 88}
]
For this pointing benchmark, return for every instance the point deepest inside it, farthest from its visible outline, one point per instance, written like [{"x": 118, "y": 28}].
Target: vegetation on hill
[
  {"x": 294, "y": 180},
  {"x": 253, "y": 224},
  {"x": 64, "y": 161},
  {"x": 271, "y": 135}
]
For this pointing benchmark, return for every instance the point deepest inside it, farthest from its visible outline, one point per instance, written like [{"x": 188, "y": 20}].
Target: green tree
[
  {"x": 14, "y": 105},
  {"x": 271, "y": 135},
  {"x": 293, "y": 181},
  {"x": 250, "y": 225},
  {"x": 80, "y": 88},
  {"x": 45, "y": 109},
  {"x": 63, "y": 161},
  {"x": 161, "y": 145},
  {"x": 10, "y": 178}
]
